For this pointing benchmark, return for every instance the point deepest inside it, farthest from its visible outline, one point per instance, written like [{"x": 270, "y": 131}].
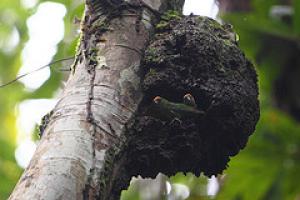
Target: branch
[{"x": 36, "y": 70}]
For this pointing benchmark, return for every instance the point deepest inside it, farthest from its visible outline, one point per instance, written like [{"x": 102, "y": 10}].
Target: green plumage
[{"x": 167, "y": 110}]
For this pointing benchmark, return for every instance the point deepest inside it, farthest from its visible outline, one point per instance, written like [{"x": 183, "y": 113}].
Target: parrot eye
[{"x": 157, "y": 99}]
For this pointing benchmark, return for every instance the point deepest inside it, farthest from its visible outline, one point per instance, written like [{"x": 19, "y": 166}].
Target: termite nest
[{"x": 198, "y": 56}]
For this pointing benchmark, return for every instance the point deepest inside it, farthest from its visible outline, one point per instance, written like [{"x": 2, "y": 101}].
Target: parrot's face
[
  {"x": 157, "y": 100},
  {"x": 189, "y": 100}
]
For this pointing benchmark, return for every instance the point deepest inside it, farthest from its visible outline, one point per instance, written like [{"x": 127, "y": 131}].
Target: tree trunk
[{"x": 101, "y": 96}]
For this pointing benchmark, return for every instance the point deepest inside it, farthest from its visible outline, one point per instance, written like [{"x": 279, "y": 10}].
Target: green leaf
[{"x": 296, "y": 16}]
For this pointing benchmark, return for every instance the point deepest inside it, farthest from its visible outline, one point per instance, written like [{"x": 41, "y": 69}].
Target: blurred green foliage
[
  {"x": 269, "y": 167},
  {"x": 13, "y": 18}
]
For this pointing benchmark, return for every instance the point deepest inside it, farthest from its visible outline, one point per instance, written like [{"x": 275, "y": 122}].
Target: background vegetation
[{"x": 269, "y": 167}]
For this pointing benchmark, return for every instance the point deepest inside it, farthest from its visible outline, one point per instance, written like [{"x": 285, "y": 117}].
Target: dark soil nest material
[{"x": 194, "y": 55}]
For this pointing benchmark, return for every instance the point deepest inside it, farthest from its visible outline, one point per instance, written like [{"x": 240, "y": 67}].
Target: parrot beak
[
  {"x": 157, "y": 100},
  {"x": 188, "y": 96}
]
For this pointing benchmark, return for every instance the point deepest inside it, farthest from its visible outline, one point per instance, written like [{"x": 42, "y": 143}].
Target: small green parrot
[{"x": 168, "y": 111}]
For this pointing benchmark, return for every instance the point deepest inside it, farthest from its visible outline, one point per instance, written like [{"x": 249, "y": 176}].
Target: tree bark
[{"x": 100, "y": 98}]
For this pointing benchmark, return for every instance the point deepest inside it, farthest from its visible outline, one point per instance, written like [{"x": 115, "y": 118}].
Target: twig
[{"x": 33, "y": 71}]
